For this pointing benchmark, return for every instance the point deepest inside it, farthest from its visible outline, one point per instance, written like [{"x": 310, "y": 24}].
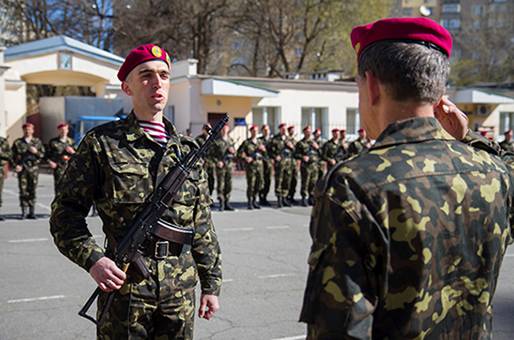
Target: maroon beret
[
  {"x": 282, "y": 125},
  {"x": 335, "y": 130},
  {"x": 290, "y": 127},
  {"x": 26, "y": 125},
  {"x": 360, "y": 130},
  {"x": 306, "y": 127},
  {"x": 254, "y": 127},
  {"x": 414, "y": 30},
  {"x": 61, "y": 125},
  {"x": 141, "y": 55}
]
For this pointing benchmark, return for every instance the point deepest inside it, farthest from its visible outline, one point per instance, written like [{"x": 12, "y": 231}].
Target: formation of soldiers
[
  {"x": 26, "y": 155},
  {"x": 281, "y": 156}
]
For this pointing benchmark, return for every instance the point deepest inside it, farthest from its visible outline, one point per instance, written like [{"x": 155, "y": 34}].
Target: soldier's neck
[
  {"x": 156, "y": 117},
  {"x": 391, "y": 111}
]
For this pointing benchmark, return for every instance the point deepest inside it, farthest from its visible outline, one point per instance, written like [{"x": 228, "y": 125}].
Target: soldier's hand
[
  {"x": 18, "y": 168},
  {"x": 453, "y": 120},
  {"x": 52, "y": 164},
  {"x": 220, "y": 164},
  {"x": 248, "y": 159},
  {"x": 305, "y": 158},
  {"x": 231, "y": 150},
  {"x": 262, "y": 147},
  {"x": 332, "y": 162},
  {"x": 70, "y": 150},
  {"x": 278, "y": 158},
  {"x": 208, "y": 306},
  {"x": 33, "y": 150},
  {"x": 107, "y": 274}
]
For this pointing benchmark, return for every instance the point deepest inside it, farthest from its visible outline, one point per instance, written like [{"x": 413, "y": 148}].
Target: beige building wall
[
  {"x": 3, "y": 112},
  {"x": 52, "y": 113},
  {"x": 16, "y": 107}
]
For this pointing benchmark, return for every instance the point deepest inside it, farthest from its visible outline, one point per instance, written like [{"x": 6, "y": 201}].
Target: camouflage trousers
[
  {"x": 254, "y": 179},
  {"x": 27, "y": 183},
  {"x": 224, "y": 181},
  {"x": 58, "y": 173},
  {"x": 309, "y": 173},
  {"x": 267, "y": 167},
  {"x": 282, "y": 177},
  {"x": 294, "y": 179},
  {"x": 210, "y": 168},
  {"x": 160, "y": 307}
]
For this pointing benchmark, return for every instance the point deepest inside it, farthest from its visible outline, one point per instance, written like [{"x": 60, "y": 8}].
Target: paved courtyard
[{"x": 264, "y": 262}]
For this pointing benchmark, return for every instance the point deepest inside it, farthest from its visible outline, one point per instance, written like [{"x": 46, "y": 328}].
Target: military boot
[
  {"x": 255, "y": 205},
  {"x": 286, "y": 202},
  {"x": 279, "y": 202},
  {"x": 310, "y": 201},
  {"x": 2, "y": 218},
  {"x": 31, "y": 214},
  {"x": 228, "y": 207},
  {"x": 303, "y": 202},
  {"x": 221, "y": 205},
  {"x": 23, "y": 213},
  {"x": 249, "y": 205}
]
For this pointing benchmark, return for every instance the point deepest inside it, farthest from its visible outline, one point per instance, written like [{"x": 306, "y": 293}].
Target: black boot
[
  {"x": 221, "y": 205},
  {"x": 2, "y": 218},
  {"x": 255, "y": 205},
  {"x": 303, "y": 203},
  {"x": 279, "y": 202},
  {"x": 264, "y": 202},
  {"x": 292, "y": 201},
  {"x": 23, "y": 213},
  {"x": 310, "y": 200},
  {"x": 31, "y": 215},
  {"x": 228, "y": 207},
  {"x": 286, "y": 202},
  {"x": 249, "y": 205}
]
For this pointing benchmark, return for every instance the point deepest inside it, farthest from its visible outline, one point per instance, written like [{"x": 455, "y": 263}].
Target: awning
[
  {"x": 223, "y": 87},
  {"x": 473, "y": 96}
]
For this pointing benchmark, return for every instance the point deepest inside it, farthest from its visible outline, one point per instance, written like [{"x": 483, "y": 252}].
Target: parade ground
[{"x": 264, "y": 269}]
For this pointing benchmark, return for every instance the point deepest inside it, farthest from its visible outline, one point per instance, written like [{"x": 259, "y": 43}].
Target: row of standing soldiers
[
  {"x": 280, "y": 154},
  {"x": 25, "y": 156}
]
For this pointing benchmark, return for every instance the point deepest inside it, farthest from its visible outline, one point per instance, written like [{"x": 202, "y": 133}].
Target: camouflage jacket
[
  {"x": 278, "y": 147},
  {"x": 116, "y": 167},
  {"x": 408, "y": 239},
  {"x": 57, "y": 150},
  {"x": 220, "y": 150},
  {"x": 200, "y": 139},
  {"x": 267, "y": 145},
  {"x": 251, "y": 149},
  {"x": 343, "y": 150},
  {"x": 5, "y": 152},
  {"x": 307, "y": 147},
  {"x": 22, "y": 156},
  {"x": 507, "y": 145},
  {"x": 359, "y": 145},
  {"x": 329, "y": 150}
]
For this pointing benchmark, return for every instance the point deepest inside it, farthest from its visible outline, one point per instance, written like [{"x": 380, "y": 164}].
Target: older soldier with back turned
[
  {"x": 409, "y": 236},
  {"x": 117, "y": 166}
]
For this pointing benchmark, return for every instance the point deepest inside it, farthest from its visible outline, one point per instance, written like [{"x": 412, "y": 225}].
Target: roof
[
  {"x": 227, "y": 87},
  {"x": 479, "y": 96},
  {"x": 57, "y": 44}
]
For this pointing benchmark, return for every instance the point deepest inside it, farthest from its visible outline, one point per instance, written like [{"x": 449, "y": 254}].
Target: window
[
  {"x": 476, "y": 24},
  {"x": 352, "y": 121},
  {"x": 266, "y": 115},
  {"x": 477, "y": 10},
  {"x": 451, "y": 8},
  {"x": 312, "y": 116},
  {"x": 454, "y": 23},
  {"x": 65, "y": 61},
  {"x": 444, "y": 23}
]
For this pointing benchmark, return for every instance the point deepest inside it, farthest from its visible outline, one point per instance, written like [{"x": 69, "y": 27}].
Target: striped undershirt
[{"x": 156, "y": 130}]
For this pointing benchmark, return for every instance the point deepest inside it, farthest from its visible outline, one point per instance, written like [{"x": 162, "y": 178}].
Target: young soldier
[
  {"x": 330, "y": 149},
  {"x": 360, "y": 144},
  {"x": 267, "y": 166},
  {"x": 408, "y": 237},
  {"x": 251, "y": 152},
  {"x": 307, "y": 152},
  {"x": 60, "y": 150},
  {"x": 507, "y": 144},
  {"x": 223, "y": 153},
  {"x": 27, "y": 153},
  {"x": 281, "y": 150},
  {"x": 117, "y": 166},
  {"x": 293, "y": 164}
]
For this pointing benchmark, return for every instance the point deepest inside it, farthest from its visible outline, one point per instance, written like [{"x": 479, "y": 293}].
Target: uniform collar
[
  {"x": 135, "y": 131},
  {"x": 412, "y": 130}
]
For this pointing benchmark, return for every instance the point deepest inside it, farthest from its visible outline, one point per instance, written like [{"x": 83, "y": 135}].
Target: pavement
[{"x": 264, "y": 268}]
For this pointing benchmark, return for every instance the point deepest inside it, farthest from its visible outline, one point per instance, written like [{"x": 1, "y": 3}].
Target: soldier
[
  {"x": 307, "y": 151},
  {"x": 223, "y": 153},
  {"x": 27, "y": 153},
  {"x": 320, "y": 141},
  {"x": 251, "y": 153},
  {"x": 116, "y": 166},
  {"x": 281, "y": 150},
  {"x": 360, "y": 144},
  {"x": 5, "y": 158},
  {"x": 267, "y": 166},
  {"x": 60, "y": 150},
  {"x": 507, "y": 144},
  {"x": 210, "y": 165},
  {"x": 408, "y": 237},
  {"x": 293, "y": 164},
  {"x": 330, "y": 149},
  {"x": 344, "y": 147}
]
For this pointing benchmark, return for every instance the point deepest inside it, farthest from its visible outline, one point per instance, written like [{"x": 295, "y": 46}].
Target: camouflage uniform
[
  {"x": 254, "y": 176},
  {"x": 57, "y": 153},
  {"x": 308, "y": 169},
  {"x": 392, "y": 258},
  {"x": 28, "y": 176},
  {"x": 278, "y": 147},
  {"x": 209, "y": 164},
  {"x": 321, "y": 166},
  {"x": 5, "y": 158},
  {"x": 329, "y": 152},
  {"x": 293, "y": 169},
  {"x": 507, "y": 145},
  {"x": 343, "y": 151},
  {"x": 220, "y": 153},
  {"x": 359, "y": 145},
  {"x": 267, "y": 170},
  {"x": 116, "y": 167}
]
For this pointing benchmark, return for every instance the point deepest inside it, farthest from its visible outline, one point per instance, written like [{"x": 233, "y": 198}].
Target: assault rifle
[{"x": 149, "y": 225}]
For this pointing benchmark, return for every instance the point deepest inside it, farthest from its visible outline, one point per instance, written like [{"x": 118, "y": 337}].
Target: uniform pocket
[{"x": 131, "y": 182}]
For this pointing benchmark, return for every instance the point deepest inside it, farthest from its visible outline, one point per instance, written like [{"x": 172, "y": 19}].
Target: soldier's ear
[{"x": 126, "y": 88}]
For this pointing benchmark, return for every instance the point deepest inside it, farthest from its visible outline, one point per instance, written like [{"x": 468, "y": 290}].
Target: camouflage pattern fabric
[
  {"x": 359, "y": 145},
  {"x": 283, "y": 173},
  {"x": 308, "y": 169},
  {"x": 115, "y": 167},
  {"x": 57, "y": 153},
  {"x": 254, "y": 171},
  {"x": 408, "y": 239},
  {"x": 293, "y": 169},
  {"x": 210, "y": 165},
  {"x": 220, "y": 153},
  {"x": 321, "y": 163},
  {"x": 343, "y": 151},
  {"x": 5, "y": 158},
  {"x": 329, "y": 151},
  {"x": 267, "y": 168},
  {"x": 507, "y": 145},
  {"x": 28, "y": 177}
]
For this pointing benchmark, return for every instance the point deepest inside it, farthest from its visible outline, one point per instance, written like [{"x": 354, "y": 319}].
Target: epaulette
[{"x": 189, "y": 141}]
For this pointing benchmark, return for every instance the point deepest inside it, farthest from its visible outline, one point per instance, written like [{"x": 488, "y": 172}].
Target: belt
[{"x": 160, "y": 249}]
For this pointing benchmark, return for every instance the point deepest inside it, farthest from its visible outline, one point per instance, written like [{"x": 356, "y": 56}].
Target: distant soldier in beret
[
  {"x": 60, "y": 150},
  {"x": 267, "y": 166},
  {"x": 330, "y": 149},
  {"x": 409, "y": 236},
  {"x": 307, "y": 152},
  {"x": 320, "y": 141},
  {"x": 343, "y": 151},
  {"x": 251, "y": 152},
  {"x": 117, "y": 166},
  {"x": 281, "y": 151},
  {"x": 507, "y": 144},
  {"x": 210, "y": 165},
  {"x": 27, "y": 152},
  {"x": 223, "y": 153},
  {"x": 360, "y": 144},
  {"x": 293, "y": 164},
  {"x": 5, "y": 158}
]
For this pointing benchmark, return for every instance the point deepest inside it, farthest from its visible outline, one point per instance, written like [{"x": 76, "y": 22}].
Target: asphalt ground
[{"x": 264, "y": 269}]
